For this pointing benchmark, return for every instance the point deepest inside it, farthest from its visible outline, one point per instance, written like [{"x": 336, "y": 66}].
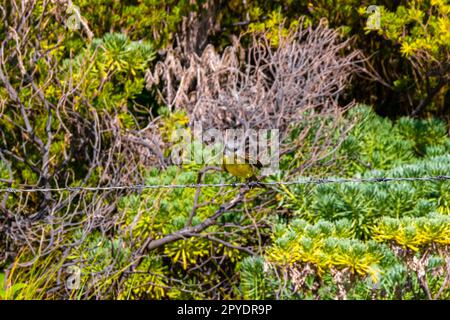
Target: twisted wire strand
[{"x": 138, "y": 187}]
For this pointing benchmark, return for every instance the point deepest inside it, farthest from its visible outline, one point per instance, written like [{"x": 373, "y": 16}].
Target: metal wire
[{"x": 139, "y": 187}]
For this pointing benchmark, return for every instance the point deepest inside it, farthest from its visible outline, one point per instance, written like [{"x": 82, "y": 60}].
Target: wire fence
[{"x": 250, "y": 184}]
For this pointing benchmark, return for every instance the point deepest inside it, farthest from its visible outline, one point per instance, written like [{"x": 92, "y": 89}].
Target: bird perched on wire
[{"x": 240, "y": 164}]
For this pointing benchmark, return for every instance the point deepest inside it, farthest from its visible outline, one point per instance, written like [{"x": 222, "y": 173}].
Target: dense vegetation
[{"x": 92, "y": 93}]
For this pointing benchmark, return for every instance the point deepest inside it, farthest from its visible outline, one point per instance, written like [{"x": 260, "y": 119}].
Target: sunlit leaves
[{"x": 414, "y": 233}]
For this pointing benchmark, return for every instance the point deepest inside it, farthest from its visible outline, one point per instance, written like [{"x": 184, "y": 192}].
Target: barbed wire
[{"x": 300, "y": 181}]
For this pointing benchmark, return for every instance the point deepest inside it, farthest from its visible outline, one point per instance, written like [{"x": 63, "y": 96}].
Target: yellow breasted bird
[{"x": 241, "y": 166}]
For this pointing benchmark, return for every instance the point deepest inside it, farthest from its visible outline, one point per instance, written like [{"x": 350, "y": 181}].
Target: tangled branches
[
  {"x": 68, "y": 119},
  {"x": 55, "y": 132},
  {"x": 296, "y": 84}
]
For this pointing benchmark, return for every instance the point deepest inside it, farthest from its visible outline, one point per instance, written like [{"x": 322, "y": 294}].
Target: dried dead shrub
[{"x": 295, "y": 85}]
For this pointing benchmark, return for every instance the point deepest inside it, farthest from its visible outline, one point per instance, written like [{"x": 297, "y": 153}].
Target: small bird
[{"x": 241, "y": 166}]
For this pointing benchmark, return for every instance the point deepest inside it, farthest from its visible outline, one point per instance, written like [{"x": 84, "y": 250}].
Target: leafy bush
[
  {"x": 74, "y": 112},
  {"x": 375, "y": 147},
  {"x": 412, "y": 39},
  {"x": 151, "y": 20},
  {"x": 421, "y": 28},
  {"x": 364, "y": 240}
]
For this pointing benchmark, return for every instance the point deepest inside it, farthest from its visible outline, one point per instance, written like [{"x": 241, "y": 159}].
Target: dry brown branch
[
  {"x": 296, "y": 84},
  {"x": 192, "y": 230},
  {"x": 33, "y": 122}
]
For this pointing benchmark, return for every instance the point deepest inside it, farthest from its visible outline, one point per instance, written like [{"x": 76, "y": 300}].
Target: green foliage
[
  {"x": 325, "y": 245},
  {"x": 374, "y": 142},
  {"x": 414, "y": 233},
  {"x": 115, "y": 73},
  {"x": 254, "y": 281},
  {"x": 390, "y": 150},
  {"x": 379, "y": 143},
  {"x": 428, "y": 135},
  {"x": 323, "y": 260},
  {"x": 384, "y": 240},
  {"x": 33, "y": 282},
  {"x": 413, "y": 39},
  {"x": 148, "y": 19},
  {"x": 419, "y": 26},
  {"x": 9, "y": 292},
  {"x": 158, "y": 213},
  {"x": 409, "y": 29},
  {"x": 422, "y": 30},
  {"x": 148, "y": 281},
  {"x": 363, "y": 240}
]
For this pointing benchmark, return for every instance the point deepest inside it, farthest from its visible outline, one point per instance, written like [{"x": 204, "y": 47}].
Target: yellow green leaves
[
  {"x": 159, "y": 212},
  {"x": 414, "y": 233},
  {"x": 325, "y": 245},
  {"x": 147, "y": 281},
  {"x": 407, "y": 49},
  {"x": 7, "y": 291},
  {"x": 187, "y": 252},
  {"x": 419, "y": 27},
  {"x": 254, "y": 278},
  {"x": 126, "y": 121},
  {"x": 171, "y": 122},
  {"x": 110, "y": 72},
  {"x": 273, "y": 26},
  {"x": 361, "y": 258},
  {"x": 327, "y": 249},
  {"x": 378, "y": 147}
]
